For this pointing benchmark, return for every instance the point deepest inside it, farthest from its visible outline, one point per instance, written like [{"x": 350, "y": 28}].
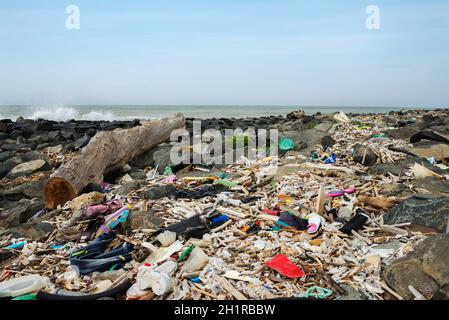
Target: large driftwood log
[{"x": 106, "y": 152}]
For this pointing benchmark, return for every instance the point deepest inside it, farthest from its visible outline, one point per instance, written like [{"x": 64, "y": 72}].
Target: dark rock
[
  {"x": 138, "y": 174},
  {"x": 327, "y": 141},
  {"x": 7, "y": 165},
  {"x": 69, "y": 134},
  {"x": 29, "y": 190},
  {"x": 380, "y": 169},
  {"x": 428, "y": 149},
  {"x": 54, "y": 136},
  {"x": 159, "y": 156},
  {"x": 399, "y": 167},
  {"x": 128, "y": 187},
  {"x": 364, "y": 155},
  {"x": 82, "y": 142},
  {"x": 311, "y": 137},
  {"x": 4, "y": 136},
  {"x": 34, "y": 155},
  {"x": 425, "y": 269},
  {"x": 14, "y": 147},
  {"x": 28, "y": 168},
  {"x": 159, "y": 192},
  {"x": 5, "y": 155},
  {"x": 15, "y": 134},
  {"x": 21, "y": 213},
  {"x": 434, "y": 185},
  {"x": 324, "y": 126},
  {"x": 403, "y": 133},
  {"x": 31, "y": 231},
  {"x": 4, "y": 127},
  {"x": 143, "y": 220},
  {"x": 394, "y": 189},
  {"x": 426, "y": 210},
  {"x": 296, "y": 115},
  {"x": 91, "y": 132}
]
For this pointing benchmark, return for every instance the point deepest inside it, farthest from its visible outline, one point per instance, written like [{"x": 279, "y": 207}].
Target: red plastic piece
[{"x": 284, "y": 266}]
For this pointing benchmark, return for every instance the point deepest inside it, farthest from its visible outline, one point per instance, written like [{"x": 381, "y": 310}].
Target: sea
[{"x": 131, "y": 112}]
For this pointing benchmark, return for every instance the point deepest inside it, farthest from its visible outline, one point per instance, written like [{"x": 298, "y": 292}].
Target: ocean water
[{"x": 109, "y": 113}]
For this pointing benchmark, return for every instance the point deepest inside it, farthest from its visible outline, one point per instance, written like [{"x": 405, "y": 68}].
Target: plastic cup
[{"x": 162, "y": 283}]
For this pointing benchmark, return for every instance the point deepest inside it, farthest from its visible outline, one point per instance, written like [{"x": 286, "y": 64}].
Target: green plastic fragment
[
  {"x": 222, "y": 175},
  {"x": 226, "y": 183},
  {"x": 286, "y": 144},
  {"x": 185, "y": 253},
  {"x": 113, "y": 267},
  {"x": 26, "y": 297},
  {"x": 168, "y": 171},
  {"x": 318, "y": 293}
]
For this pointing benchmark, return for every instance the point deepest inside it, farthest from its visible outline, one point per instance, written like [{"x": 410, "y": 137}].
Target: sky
[{"x": 225, "y": 52}]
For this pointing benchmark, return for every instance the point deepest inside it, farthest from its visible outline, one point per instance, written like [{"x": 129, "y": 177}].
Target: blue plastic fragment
[
  {"x": 16, "y": 245},
  {"x": 220, "y": 219}
]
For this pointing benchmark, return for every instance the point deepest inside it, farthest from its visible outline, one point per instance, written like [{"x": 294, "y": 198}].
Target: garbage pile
[{"x": 306, "y": 225}]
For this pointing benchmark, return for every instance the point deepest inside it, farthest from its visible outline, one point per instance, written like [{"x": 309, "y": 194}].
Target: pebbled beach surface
[{"x": 357, "y": 204}]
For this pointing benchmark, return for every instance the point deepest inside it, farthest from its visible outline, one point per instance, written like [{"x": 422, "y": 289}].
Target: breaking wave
[{"x": 67, "y": 113}]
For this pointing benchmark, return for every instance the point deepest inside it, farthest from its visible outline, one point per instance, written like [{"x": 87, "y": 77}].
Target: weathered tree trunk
[{"x": 106, "y": 152}]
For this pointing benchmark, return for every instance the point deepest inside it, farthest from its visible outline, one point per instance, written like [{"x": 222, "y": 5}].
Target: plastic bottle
[{"x": 21, "y": 286}]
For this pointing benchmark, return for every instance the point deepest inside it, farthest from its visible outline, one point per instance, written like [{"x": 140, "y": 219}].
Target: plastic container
[
  {"x": 162, "y": 283},
  {"x": 198, "y": 259},
  {"x": 21, "y": 286},
  {"x": 166, "y": 238}
]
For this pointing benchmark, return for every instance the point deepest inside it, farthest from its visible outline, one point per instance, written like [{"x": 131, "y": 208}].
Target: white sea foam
[
  {"x": 55, "y": 113},
  {"x": 68, "y": 113}
]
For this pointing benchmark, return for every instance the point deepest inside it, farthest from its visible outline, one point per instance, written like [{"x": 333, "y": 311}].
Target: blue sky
[{"x": 243, "y": 52}]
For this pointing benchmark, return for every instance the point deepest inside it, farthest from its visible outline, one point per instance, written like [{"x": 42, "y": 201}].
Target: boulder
[
  {"x": 9, "y": 164},
  {"x": 31, "y": 231},
  {"x": 5, "y": 155},
  {"x": 311, "y": 136},
  {"x": 327, "y": 141},
  {"x": 158, "y": 156},
  {"x": 399, "y": 167},
  {"x": 4, "y": 128},
  {"x": 428, "y": 149},
  {"x": 426, "y": 269},
  {"x": 324, "y": 126},
  {"x": 425, "y": 210},
  {"x": 86, "y": 199},
  {"x": 394, "y": 189},
  {"x": 159, "y": 192},
  {"x": 128, "y": 187},
  {"x": 403, "y": 133},
  {"x": 82, "y": 142},
  {"x": 138, "y": 174},
  {"x": 28, "y": 168},
  {"x": 142, "y": 220},
  {"x": 434, "y": 185},
  {"x": 20, "y": 213},
  {"x": 364, "y": 155},
  {"x": 28, "y": 190}
]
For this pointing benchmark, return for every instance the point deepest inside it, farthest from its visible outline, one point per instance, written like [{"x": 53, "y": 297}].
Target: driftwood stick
[{"x": 106, "y": 152}]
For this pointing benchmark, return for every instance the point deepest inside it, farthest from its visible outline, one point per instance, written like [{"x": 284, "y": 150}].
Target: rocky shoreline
[{"x": 386, "y": 153}]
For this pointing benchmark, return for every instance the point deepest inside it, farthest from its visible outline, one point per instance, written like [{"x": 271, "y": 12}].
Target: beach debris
[
  {"x": 325, "y": 222},
  {"x": 284, "y": 266},
  {"x": 103, "y": 157}
]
